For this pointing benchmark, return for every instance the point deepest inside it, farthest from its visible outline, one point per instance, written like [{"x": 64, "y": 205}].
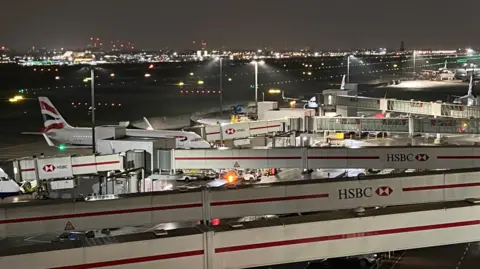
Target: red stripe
[
  {"x": 235, "y": 158},
  {"x": 440, "y": 187},
  {"x": 268, "y": 200},
  {"x": 265, "y": 127},
  {"x": 458, "y": 157},
  {"x": 102, "y": 213},
  {"x": 46, "y": 106},
  {"x": 91, "y": 164},
  {"x": 133, "y": 260},
  {"x": 78, "y": 165},
  {"x": 53, "y": 126},
  {"x": 252, "y": 128},
  {"x": 343, "y": 157},
  {"x": 347, "y": 236}
]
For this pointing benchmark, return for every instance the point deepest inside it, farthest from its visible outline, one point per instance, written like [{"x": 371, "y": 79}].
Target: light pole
[
  {"x": 348, "y": 68},
  {"x": 92, "y": 92},
  {"x": 221, "y": 86},
  {"x": 256, "y": 63},
  {"x": 414, "y": 61}
]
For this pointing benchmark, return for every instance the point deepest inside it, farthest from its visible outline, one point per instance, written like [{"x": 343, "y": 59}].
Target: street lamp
[
  {"x": 256, "y": 63},
  {"x": 92, "y": 93},
  {"x": 414, "y": 61},
  {"x": 92, "y": 68},
  {"x": 221, "y": 85},
  {"x": 348, "y": 67}
]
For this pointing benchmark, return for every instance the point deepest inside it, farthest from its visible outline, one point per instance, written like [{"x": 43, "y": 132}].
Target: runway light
[
  {"x": 57, "y": 78},
  {"x": 112, "y": 74},
  {"x": 229, "y": 79},
  {"x": 181, "y": 83},
  {"x": 191, "y": 74},
  {"x": 200, "y": 82},
  {"x": 274, "y": 91},
  {"x": 147, "y": 75}
]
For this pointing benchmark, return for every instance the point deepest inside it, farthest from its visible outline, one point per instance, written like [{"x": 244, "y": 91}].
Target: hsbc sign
[
  {"x": 356, "y": 193},
  {"x": 402, "y": 157},
  {"x": 49, "y": 168},
  {"x": 230, "y": 131}
]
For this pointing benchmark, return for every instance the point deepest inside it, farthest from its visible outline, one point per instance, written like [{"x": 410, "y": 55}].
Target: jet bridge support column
[
  {"x": 411, "y": 127},
  {"x": 439, "y": 139}
]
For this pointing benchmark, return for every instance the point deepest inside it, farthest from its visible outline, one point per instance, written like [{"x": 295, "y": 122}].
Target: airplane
[
  {"x": 58, "y": 130},
  {"x": 312, "y": 103},
  {"x": 441, "y": 69},
  {"x": 468, "y": 99},
  {"x": 8, "y": 186}
]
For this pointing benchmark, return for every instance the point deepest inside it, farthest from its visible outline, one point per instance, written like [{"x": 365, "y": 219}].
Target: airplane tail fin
[
  {"x": 342, "y": 86},
  {"x": 51, "y": 117}
]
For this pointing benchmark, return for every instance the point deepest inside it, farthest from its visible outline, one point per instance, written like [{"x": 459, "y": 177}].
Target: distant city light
[{"x": 147, "y": 75}]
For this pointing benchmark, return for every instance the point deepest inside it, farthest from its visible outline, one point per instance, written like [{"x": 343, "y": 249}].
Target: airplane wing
[{"x": 293, "y": 99}]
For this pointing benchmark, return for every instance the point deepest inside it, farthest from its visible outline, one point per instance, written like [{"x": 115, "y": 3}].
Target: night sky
[{"x": 279, "y": 24}]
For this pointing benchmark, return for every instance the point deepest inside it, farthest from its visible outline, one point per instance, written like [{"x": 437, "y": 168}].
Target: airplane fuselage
[{"x": 82, "y": 136}]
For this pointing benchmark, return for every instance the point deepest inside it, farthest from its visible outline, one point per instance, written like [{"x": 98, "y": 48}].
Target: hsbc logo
[
  {"x": 422, "y": 157},
  {"x": 401, "y": 157},
  {"x": 384, "y": 191},
  {"x": 356, "y": 193},
  {"x": 230, "y": 131},
  {"x": 49, "y": 168}
]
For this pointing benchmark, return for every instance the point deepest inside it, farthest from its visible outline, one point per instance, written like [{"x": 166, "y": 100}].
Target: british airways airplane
[{"x": 58, "y": 130}]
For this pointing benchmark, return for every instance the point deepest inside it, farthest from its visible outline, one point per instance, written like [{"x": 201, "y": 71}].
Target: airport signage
[
  {"x": 402, "y": 157},
  {"x": 230, "y": 131},
  {"x": 49, "y": 168},
  {"x": 356, "y": 193}
]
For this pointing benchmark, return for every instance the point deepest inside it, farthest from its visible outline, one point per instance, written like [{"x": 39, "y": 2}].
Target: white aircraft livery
[
  {"x": 57, "y": 129},
  {"x": 8, "y": 187}
]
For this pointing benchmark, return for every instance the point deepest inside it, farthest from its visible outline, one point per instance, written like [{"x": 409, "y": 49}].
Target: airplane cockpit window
[{"x": 4, "y": 179}]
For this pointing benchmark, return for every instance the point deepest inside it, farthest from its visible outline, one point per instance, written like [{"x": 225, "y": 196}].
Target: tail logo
[
  {"x": 52, "y": 120},
  {"x": 47, "y": 107}
]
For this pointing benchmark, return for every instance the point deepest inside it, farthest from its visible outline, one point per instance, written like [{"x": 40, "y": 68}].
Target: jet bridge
[
  {"x": 435, "y": 109},
  {"x": 416, "y": 157},
  {"x": 276, "y": 241},
  {"x": 55, "y": 216},
  {"x": 396, "y": 125}
]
